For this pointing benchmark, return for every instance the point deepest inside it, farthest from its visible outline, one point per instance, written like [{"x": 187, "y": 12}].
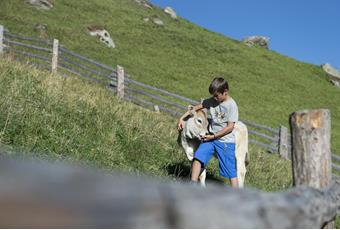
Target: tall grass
[{"x": 69, "y": 118}]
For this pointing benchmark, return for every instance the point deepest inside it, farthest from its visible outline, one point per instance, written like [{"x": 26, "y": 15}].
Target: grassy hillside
[
  {"x": 183, "y": 58},
  {"x": 59, "y": 118}
]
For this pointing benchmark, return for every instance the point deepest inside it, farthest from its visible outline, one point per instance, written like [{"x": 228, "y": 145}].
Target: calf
[{"x": 196, "y": 125}]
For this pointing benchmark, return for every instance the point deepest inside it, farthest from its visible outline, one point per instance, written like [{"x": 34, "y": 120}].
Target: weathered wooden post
[
  {"x": 311, "y": 153},
  {"x": 47, "y": 195},
  {"x": 55, "y": 55},
  {"x": 120, "y": 81},
  {"x": 283, "y": 143},
  {"x": 1, "y": 40}
]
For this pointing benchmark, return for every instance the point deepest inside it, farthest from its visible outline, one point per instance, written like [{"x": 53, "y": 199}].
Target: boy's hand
[
  {"x": 180, "y": 125},
  {"x": 207, "y": 137}
]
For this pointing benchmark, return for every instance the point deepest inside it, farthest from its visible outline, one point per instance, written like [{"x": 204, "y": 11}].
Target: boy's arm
[
  {"x": 187, "y": 113},
  {"x": 229, "y": 128},
  {"x": 221, "y": 133}
]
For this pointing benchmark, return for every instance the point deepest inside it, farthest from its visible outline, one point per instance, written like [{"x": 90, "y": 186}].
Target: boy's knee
[{"x": 198, "y": 162}]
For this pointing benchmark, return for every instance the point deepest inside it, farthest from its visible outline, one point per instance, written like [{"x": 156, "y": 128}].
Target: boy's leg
[
  {"x": 195, "y": 170},
  {"x": 202, "y": 156},
  {"x": 227, "y": 161},
  {"x": 234, "y": 182}
]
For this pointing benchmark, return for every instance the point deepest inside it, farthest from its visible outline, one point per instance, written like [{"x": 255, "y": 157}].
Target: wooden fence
[
  {"x": 34, "y": 195},
  {"x": 52, "y": 56}
]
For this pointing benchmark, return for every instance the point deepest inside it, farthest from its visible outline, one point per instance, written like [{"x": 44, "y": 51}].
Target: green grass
[
  {"x": 69, "y": 119},
  {"x": 72, "y": 119},
  {"x": 183, "y": 58}
]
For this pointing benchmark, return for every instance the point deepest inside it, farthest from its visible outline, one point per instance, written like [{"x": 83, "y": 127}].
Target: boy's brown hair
[{"x": 218, "y": 85}]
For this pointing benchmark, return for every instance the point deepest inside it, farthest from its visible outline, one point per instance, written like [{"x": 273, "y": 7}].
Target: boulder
[
  {"x": 171, "y": 12},
  {"x": 41, "y": 29},
  {"x": 158, "y": 21},
  {"x": 331, "y": 70},
  {"x": 144, "y": 3},
  {"x": 336, "y": 83},
  {"x": 40, "y": 4},
  {"x": 102, "y": 34},
  {"x": 148, "y": 5},
  {"x": 260, "y": 41},
  {"x": 155, "y": 20},
  {"x": 333, "y": 73}
]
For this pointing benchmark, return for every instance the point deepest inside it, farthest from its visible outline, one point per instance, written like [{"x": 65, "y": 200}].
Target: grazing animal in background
[
  {"x": 196, "y": 125},
  {"x": 102, "y": 34}
]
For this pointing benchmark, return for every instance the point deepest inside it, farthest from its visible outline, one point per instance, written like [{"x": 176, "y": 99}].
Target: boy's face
[{"x": 220, "y": 97}]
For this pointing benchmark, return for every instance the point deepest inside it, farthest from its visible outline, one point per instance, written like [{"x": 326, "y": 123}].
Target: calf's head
[{"x": 196, "y": 124}]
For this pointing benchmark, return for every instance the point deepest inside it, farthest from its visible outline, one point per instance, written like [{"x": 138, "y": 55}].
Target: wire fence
[{"x": 50, "y": 55}]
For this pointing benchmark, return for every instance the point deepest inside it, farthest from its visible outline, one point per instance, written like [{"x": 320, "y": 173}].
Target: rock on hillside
[
  {"x": 257, "y": 40},
  {"x": 40, "y": 4},
  {"x": 333, "y": 73},
  {"x": 144, "y": 3},
  {"x": 168, "y": 10}
]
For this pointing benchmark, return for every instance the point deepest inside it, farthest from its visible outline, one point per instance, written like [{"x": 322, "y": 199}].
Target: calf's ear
[
  {"x": 191, "y": 110},
  {"x": 192, "y": 113},
  {"x": 190, "y": 107}
]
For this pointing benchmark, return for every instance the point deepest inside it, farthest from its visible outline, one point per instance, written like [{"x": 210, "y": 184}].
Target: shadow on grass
[{"x": 182, "y": 171}]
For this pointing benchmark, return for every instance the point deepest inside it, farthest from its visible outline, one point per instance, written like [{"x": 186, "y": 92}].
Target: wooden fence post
[
  {"x": 55, "y": 55},
  {"x": 283, "y": 143},
  {"x": 156, "y": 107},
  {"x": 311, "y": 153},
  {"x": 1, "y": 39},
  {"x": 120, "y": 81}
]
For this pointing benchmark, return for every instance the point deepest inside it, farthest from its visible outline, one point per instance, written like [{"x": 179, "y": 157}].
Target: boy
[{"x": 223, "y": 113}]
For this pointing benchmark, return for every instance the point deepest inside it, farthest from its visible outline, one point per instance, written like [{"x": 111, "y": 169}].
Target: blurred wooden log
[{"x": 36, "y": 195}]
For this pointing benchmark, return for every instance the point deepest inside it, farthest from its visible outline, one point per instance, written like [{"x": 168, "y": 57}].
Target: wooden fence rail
[
  {"x": 335, "y": 157},
  {"x": 268, "y": 147},
  {"x": 145, "y": 103},
  {"x": 156, "y": 97},
  {"x": 272, "y": 139},
  {"x": 71, "y": 53},
  {"x": 14, "y": 43},
  {"x": 59, "y": 196},
  {"x": 164, "y": 92},
  {"x": 31, "y": 55},
  {"x": 35, "y": 40}
]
